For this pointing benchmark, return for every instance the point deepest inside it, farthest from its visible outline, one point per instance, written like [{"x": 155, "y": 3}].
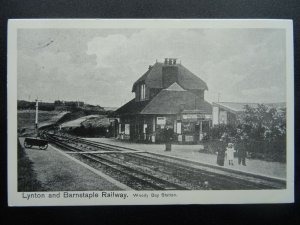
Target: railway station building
[{"x": 167, "y": 96}]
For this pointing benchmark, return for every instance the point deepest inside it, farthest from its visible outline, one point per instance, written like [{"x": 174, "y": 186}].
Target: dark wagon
[{"x": 42, "y": 144}]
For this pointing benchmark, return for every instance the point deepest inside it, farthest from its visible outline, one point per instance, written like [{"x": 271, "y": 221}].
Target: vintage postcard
[{"x": 143, "y": 112}]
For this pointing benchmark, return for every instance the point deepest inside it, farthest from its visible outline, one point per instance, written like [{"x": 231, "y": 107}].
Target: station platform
[
  {"x": 56, "y": 171},
  {"x": 192, "y": 152}
]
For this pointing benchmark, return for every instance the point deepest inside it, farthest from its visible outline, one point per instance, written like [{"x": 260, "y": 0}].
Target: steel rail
[
  {"x": 138, "y": 176},
  {"x": 249, "y": 179},
  {"x": 220, "y": 178}
]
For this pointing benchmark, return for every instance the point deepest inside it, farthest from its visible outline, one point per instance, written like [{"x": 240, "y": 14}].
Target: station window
[{"x": 143, "y": 92}]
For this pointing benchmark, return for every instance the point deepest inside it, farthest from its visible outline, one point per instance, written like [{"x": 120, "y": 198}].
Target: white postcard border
[{"x": 16, "y": 198}]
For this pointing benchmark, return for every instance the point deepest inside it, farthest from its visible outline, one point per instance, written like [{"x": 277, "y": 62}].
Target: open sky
[{"x": 100, "y": 66}]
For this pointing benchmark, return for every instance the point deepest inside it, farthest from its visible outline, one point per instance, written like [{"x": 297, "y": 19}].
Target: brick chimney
[
  {"x": 170, "y": 61},
  {"x": 169, "y": 72}
]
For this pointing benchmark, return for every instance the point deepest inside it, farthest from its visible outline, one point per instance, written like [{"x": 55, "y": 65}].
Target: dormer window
[{"x": 143, "y": 92}]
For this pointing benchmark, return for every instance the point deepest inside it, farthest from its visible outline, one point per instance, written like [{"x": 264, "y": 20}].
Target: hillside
[
  {"x": 87, "y": 126},
  {"x": 26, "y": 120}
]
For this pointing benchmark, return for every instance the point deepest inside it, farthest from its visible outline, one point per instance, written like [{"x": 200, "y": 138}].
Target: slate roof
[
  {"x": 186, "y": 79},
  {"x": 173, "y": 102},
  {"x": 170, "y": 101},
  {"x": 131, "y": 108}
]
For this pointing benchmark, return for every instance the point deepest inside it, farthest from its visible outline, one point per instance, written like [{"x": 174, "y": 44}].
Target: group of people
[{"x": 227, "y": 151}]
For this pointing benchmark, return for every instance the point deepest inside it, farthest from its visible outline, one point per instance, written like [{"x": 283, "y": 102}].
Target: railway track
[
  {"x": 133, "y": 178},
  {"x": 177, "y": 174}
]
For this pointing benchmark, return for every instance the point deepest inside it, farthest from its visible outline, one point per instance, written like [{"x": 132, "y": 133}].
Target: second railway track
[{"x": 148, "y": 171}]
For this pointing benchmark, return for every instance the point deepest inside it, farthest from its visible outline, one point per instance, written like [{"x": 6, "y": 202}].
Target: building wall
[
  {"x": 231, "y": 118},
  {"x": 223, "y": 116},
  {"x": 215, "y": 115},
  {"x": 151, "y": 128},
  {"x": 137, "y": 93},
  {"x": 199, "y": 93}
]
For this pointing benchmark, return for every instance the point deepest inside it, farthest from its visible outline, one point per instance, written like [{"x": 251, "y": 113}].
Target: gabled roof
[
  {"x": 175, "y": 87},
  {"x": 186, "y": 79},
  {"x": 171, "y": 100},
  {"x": 236, "y": 107},
  {"x": 174, "y": 101},
  {"x": 130, "y": 108}
]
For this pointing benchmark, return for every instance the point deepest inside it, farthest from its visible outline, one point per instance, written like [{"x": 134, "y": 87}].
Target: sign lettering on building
[
  {"x": 208, "y": 117},
  {"x": 194, "y": 117},
  {"x": 161, "y": 120},
  {"x": 189, "y": 116}
]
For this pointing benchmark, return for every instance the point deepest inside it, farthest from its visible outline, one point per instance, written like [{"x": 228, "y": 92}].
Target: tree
[
  {"x": 262, "y": 123},
  {"x": 263, "y": 130}
]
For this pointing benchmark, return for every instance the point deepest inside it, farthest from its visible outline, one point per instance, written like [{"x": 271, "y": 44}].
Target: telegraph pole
[{"x": 36, "y": 115}]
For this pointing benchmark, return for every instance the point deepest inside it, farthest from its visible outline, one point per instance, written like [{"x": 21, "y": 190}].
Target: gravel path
[
  {"x": 59, "y": 173},
  {"x": 274, "y": 169}
]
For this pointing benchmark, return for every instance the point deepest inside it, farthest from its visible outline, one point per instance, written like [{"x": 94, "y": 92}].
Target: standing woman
[
  {"x": 221, "y": 156},
  {"x": 221, "y": 149}
]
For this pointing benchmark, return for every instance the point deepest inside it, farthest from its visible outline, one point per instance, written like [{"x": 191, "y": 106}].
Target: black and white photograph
[{"x": 143, "y": 112}]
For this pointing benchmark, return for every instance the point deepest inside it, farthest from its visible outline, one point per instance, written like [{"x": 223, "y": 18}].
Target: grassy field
[
  {"x": 26, "y": 118},
  {"x": 27, "y": 178}
]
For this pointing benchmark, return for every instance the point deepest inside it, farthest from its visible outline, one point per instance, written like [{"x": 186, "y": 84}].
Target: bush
[
  {"x": 261, "y": 131},
  {"x": 216, "y": 132},
  {"x": 27, "y": 178}
]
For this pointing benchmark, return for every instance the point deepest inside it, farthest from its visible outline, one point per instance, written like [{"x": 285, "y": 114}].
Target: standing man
[
  {"x": 168, "y": 138},
  {"x": 241, "y": 151},
  {"x": 242, "y": 155}
]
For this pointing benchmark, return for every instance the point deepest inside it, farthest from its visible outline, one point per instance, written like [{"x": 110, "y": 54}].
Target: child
[{"x": 230, "y": 153}]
